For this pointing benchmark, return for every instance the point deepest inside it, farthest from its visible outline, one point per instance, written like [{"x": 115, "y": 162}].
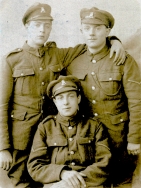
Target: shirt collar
[
  {"x": 39, "y": 52},
  {"x": 101, "y": 54},
  {"x": 72, "y": 121}
]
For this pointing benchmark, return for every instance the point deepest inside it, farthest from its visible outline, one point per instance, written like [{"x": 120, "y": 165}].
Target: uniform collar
[
  {"x": 101, "y": 54},
  {"x": 72, "y": 121},
  {"x": 39, "y": 52}
]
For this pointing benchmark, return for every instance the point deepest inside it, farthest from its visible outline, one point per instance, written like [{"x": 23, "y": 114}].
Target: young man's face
[
  {"x": 95, "y": 35},
  {"x": 38, "y": 32},
  {"x": 67, "y": 103}
]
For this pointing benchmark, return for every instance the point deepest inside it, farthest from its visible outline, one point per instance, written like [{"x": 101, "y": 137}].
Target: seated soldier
[{"x": 69, "y": 150}]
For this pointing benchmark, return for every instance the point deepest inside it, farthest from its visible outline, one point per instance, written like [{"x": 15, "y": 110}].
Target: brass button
[
  {"x": 43, "y": 97},
  {"x": 110, "y": 79},
  {"x": 43, "y": 83},
  {"x": 92, "y": 73},
  {"x": 93, "y": 87},
  {"x": 93, "y": 101},
  {"x": 55, "y": 143},
  {"x": 22, "y": 74},
  {"x": 12, "y": 115},
  {"x": 121, "y": 120},
  {"x": 73, "y": 163},
  {"x": 93, "y": 61},
  {"x": 95, "y": 114},
  {"x": 70, "y": 139},
  {"x": 41, "y": 68},
  {"x": 89, "y": 141},
  {"x": 72, "y": 152},
  {"x": 69, "y": 127}
]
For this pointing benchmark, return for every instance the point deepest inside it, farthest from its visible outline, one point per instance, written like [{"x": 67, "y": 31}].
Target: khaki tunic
[
  {"x": 24, "y": 76},
  {"x": 75, "y": 144},
  {"x": 113, "y": 92}
]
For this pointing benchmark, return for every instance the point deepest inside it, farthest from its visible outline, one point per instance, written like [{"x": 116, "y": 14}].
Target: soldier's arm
[
  {"x": 39, "y": 164},
  {"x": 132, "y": 87},
  {"x": 97, "y": 172},
  {"x": 6, "y": 88},
  {"x": 67, "y": 55}
]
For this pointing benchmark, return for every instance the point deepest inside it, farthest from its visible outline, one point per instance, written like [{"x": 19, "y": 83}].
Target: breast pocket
[
  {"x": 110, "y": 82},
  {"x": 24, "y": 80},
  {"x": 57, "y": 146},
  {"x": 56, "y": 141}
]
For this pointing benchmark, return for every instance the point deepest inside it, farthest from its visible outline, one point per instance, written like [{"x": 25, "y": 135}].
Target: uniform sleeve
[
  {"x": 39, "y": 164},
  {"x": 132, "y": 88},
  {"x": 6, "y": 87},
  {"x": 97, "y": 173},
  {"x": 67, "y": 55}
]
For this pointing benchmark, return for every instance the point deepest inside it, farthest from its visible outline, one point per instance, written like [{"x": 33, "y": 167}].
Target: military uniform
[
  {"x": 72, "y": 144},
  {"x": 25, "y": 74},
  {"x": 69, "y": 143},
  {"x": 113, "y": 94}
]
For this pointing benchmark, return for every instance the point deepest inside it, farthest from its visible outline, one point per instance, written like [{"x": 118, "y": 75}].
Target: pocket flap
[
  {"x": 110, "y": 76},
  {"x": 23, "y": 72},
  {"x": 57, "y": 141},
  {"x": 119, "y": 118},
  {"x": 18, "y": 115},
  {"x": 85, "y": 140},
  {"x": 56, "y": 68}
]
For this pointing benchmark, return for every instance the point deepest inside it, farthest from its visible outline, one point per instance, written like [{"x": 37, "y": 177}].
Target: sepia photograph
[{"x": 70, "y": 94}]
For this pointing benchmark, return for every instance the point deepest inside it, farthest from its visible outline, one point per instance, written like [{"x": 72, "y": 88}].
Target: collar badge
[
  {"x": 63, "y": 82},
  {"x": 91, "y": 15},
  {"x": 42, "y": 10}
]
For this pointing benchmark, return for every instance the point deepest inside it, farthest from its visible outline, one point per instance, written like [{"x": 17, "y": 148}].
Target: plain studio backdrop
[{"x": 66, "y": 32}]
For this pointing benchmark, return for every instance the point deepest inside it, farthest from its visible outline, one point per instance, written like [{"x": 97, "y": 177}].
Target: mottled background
[{"x": 65, "y": 32}]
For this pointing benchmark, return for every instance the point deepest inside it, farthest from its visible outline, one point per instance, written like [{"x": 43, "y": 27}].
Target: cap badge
[
  {"x": 63, "y": 82},
  {"x": 42, "y": 10},
  {"x": 91, "y": 15}
]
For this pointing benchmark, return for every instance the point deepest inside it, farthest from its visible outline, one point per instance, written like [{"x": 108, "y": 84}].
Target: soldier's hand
[
  {"x": 119, "y": 50},
  {"x": 5, "y": 159},
  {"x": 133, "y": 149},
  {"x": 73, "y": 178}
]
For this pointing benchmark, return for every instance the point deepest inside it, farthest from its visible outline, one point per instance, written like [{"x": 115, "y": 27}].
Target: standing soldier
[
  {"x": 24, "y": 76},
  {"x": 113, "y": 92}
]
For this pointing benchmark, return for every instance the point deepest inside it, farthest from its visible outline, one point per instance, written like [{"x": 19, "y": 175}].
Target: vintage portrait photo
[{"x": 70, "y": 94}]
